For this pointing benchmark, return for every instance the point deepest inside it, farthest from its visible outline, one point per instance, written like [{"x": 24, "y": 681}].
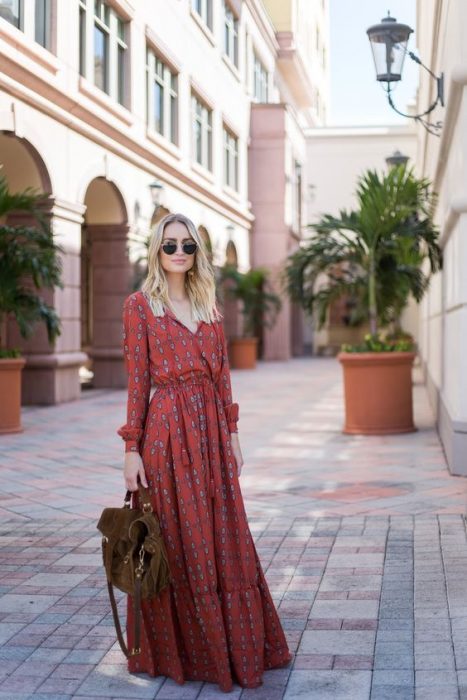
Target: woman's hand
[
  {"x": 133, "y": 469},
  {"x": 237, "y": 451}
]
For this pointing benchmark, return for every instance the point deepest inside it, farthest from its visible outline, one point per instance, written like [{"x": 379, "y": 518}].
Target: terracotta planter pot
[
  {"x": 378, "y": 392},
  {"x": 243, "y": 353},
  {"x": 10, "y": 391}
]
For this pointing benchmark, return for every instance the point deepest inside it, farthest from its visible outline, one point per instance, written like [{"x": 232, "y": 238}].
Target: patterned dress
[{"x": 216, "y": 621}]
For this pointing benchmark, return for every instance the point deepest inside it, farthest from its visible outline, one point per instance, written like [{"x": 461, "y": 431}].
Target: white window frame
[
  {"x": 27, "y": 20},
  {"x": 260, "y": 80},
  {"x": 230, "y": 34},
  {"x": 201, "y": 115},
  {"x": 115, "y": 28},
  {"x": 203, "y": 8},
  {"x": 230, "y": 158},
  {"x": 167, "y": 79}
]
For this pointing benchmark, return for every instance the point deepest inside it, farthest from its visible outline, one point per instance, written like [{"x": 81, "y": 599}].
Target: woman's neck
[{"x": 176, "y": 285}]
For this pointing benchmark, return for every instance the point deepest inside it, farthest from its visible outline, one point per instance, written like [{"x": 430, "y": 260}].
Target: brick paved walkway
[{"x": 363, "y": 541}]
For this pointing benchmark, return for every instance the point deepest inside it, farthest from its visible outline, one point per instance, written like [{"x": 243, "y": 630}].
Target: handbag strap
[
  {"x": 145, "y": 500},
  {"x": 137, "y": 616}
]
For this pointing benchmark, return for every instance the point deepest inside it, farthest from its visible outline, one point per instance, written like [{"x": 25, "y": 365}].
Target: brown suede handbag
[{"x": 135, "y": 558}]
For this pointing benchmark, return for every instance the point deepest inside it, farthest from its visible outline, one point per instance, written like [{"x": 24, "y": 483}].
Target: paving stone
[
  {"x": 336, "y": 642},
  {"x": 328, "y": 685},
  {"x": 392, "y": 692},
  {"x": 115, "y": 681}
]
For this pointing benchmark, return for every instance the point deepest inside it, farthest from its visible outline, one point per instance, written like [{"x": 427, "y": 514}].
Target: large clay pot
[
  {"x": 243, "y": 353},
  {"x": 10, "y": 393},
  {"x": 378, "y": 392}
]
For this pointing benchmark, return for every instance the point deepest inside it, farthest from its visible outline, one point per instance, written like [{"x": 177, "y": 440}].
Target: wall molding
[{"x": 458, "y": 82}]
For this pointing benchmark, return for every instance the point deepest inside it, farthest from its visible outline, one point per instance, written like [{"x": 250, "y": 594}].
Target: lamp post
[
  {"x": 230, "y": 231},
  {"x": 389, "y": 41},
  {"x": 397, "y": 158},
  {"x": 156, "y": 188}
]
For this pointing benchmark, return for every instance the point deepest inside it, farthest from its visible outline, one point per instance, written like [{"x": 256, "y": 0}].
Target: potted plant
[
  {"x": 377, "y": 256},
  {"x": 259, "y": 308},
  {"x": 29, "y": 262}
]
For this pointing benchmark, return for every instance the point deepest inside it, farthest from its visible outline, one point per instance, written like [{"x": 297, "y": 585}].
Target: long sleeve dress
[{"x": 216, "y": 621}]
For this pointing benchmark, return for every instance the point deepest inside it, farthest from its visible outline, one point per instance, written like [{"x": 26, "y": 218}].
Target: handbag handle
[{"x": 143, "y": 493}]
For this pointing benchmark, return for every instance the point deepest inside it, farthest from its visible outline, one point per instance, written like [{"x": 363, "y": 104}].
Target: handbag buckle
[{"x": 147, "y": 508}]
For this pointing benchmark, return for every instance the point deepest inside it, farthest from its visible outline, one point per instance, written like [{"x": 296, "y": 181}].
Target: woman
[{"x": 216, "y": 621}]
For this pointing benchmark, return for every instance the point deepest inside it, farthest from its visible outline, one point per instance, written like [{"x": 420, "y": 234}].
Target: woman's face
[{"x": 176, "y": 232}]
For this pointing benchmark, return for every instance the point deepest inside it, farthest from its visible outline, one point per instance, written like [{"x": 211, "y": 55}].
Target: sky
[{"x": 355, "y": 95}]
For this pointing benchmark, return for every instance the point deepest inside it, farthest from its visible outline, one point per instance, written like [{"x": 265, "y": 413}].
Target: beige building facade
[
  {"x": 336, "y": 158},
  {"x": 100, "y": 99},
  {"x": 441, "y": 30}
]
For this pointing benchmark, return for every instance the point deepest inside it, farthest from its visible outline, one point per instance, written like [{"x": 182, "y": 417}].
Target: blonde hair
[{"x": 200, "y": 280}]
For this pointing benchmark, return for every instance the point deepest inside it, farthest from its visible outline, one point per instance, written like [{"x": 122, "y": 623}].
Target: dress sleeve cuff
[
  {"x": 131, "y": 446},
  {"x": 232, "y": 415}
]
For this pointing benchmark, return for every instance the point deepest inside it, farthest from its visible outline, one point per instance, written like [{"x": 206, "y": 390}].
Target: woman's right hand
[{"x": 133, "y": 469}]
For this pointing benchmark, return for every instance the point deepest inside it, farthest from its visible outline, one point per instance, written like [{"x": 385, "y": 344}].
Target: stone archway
[
  {"x": 105, "y": 283},
  {"x": 51, "y": 371}
]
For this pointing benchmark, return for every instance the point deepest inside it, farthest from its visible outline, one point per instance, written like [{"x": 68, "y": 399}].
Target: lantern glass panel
[{"x": 389, "y": 45}]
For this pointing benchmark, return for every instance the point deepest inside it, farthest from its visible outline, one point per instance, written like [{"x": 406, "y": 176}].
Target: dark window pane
[
  {"x": 100, "y": 59},
  {"x": 158, "y": 108},
  {"x": 10, "y": 10},
  {"x": 121, "y": 74},
  {"x": 42, "y": 22},
  {"x": 82, "y": 41}
]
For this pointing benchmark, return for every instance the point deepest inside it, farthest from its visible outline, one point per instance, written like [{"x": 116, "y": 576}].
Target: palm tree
[
  {"x": 259, "y": 305},
  {"x": 29, "y": 262},
  {"x": 373, "y": 255}
]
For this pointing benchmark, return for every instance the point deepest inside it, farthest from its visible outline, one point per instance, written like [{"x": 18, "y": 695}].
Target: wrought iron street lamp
[
  {"x": 397, "y": 158},
  {"x": 389, "y": 41}
]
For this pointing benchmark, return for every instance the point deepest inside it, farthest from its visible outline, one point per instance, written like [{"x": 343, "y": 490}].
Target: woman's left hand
[{"x": 237, "y": 452}]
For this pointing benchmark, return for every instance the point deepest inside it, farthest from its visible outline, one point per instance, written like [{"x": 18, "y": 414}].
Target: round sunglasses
[{"x": 188, "y": 247}]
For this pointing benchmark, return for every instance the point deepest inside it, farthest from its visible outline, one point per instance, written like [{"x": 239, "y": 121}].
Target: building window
[
  {"x": 230, "y": 34},
  {"x": 109, "y": 48},
  {"x": 162, "y": 97},
  {"x": 202, "y": 133},
  {"x": 42, "y": 23},
  {"x": 297, "y": 197},
  {"x": 230, "y": 159},
  {"x": 101, "y": 45},
  {"x": 203, "y": 8},
  {"x": 13, "y": 11},
  {"x": 260, "y": 81},
  {"x": 82, "y": 37}
]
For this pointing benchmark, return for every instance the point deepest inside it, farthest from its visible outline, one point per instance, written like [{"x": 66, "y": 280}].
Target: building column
[
  {"x": 110, "y": 284},
  {"x": 51, "y": 373}
]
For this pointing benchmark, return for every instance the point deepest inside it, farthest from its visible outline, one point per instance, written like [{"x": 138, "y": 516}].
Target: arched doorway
[
  {"x": 51, "y": 371},
  {"x": 206, "y": 238},
  {"x": 232, "y": 316},
  {"x": 105, "y": 283}
]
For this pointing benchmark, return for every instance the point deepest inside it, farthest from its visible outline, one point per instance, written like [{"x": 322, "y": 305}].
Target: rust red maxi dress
[{"x": 216, "y": 621}]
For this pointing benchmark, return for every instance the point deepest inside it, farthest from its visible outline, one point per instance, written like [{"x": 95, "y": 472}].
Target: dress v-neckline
[
  {"x": 174, "y": 316},
  {"x": 170, "y": 313}
]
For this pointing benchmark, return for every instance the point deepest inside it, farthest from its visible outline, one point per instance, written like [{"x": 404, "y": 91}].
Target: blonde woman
[{"x": 216, "y": 621}]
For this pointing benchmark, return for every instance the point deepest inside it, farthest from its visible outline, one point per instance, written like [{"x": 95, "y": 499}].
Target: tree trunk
[{"x": 372, "y": 296}]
